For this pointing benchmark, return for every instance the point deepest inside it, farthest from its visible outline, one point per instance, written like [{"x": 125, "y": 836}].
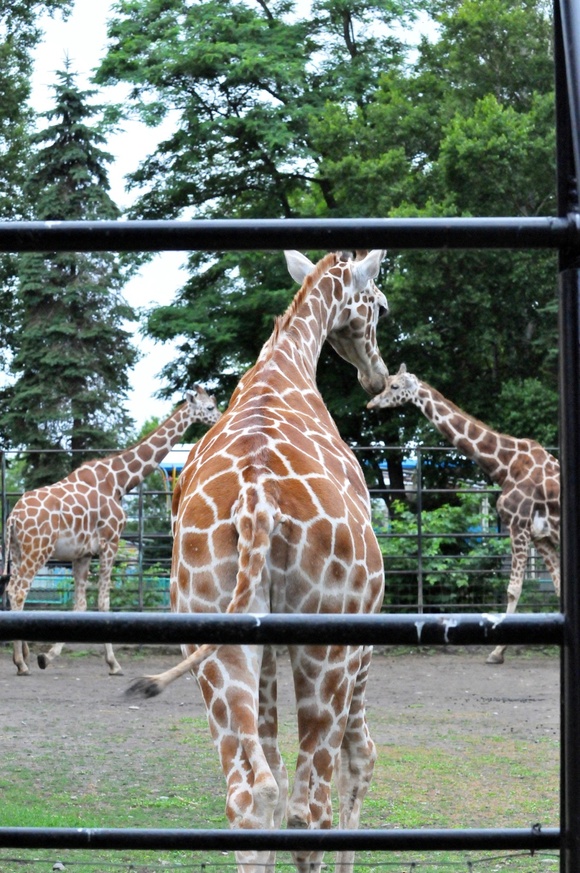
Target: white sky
[{"x": 82, "y": 39}]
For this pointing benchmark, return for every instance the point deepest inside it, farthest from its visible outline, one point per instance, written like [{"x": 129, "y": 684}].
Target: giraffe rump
[{"x": 255, "y": 519}]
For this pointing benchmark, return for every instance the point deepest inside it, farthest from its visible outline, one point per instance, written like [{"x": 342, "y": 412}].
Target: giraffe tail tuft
[
  {"x": 146, "y": 686},
  {"x": 151, "y": 686}
]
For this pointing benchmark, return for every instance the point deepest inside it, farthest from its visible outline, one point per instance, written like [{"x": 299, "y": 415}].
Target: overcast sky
[{"x": 82, "y": 39}]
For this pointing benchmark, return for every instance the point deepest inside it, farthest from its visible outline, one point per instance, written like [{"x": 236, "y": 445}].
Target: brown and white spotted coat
[
  {"x": 528, "y": 475},
  {"x": 272, "y": 515},
  {"x": 81, "y": 517}
]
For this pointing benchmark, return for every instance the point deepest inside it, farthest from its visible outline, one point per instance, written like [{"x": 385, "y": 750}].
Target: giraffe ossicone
[
  {"x": 271, "y": 514},
  {"x": 81, "y": 517},
  {"x": 528, "y": 475}
]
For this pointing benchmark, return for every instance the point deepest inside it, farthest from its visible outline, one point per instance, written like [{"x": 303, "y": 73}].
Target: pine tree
[
  {"x": 20, "y": 34},
  {"x": 72, "y": 351}
]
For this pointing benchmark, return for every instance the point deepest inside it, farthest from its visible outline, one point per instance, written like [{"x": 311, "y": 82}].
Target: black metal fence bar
[
  {"x": 297, "y": 233},
  {"x": 567, "y": 84},
  {"x": 412, "y": 629},
  {"x": 532, "y": 839}
]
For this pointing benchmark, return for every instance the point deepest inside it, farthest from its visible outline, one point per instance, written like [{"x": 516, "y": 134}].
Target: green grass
[
  {"x": 460, "y": 781},
  {"x": 500, "y": 784}
]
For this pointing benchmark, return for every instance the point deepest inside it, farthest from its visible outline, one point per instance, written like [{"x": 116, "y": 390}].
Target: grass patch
[{"x": 170, "y": 777}]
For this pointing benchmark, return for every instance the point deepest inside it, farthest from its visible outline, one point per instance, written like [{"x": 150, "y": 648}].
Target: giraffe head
[
  {"x": 401, "y": 388},
  {"x": 203, "y": 406},
  {"x": 356, "y": 305}
]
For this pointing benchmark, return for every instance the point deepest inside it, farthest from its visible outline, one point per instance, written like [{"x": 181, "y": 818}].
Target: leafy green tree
[
  {"x": 19, "y": 36},
  {"x": 331, "y": 115},
  {"x": 249, "y": 85},
  {"x": 72, "y": 351},
  {"x": 479, "y": 325}
]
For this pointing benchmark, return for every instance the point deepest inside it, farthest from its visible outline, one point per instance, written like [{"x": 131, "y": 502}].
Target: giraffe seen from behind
[
  {"x": 272, "y": 515},
  {"x": 528, "y": 475},
  {"x": 81, "y": 517}
]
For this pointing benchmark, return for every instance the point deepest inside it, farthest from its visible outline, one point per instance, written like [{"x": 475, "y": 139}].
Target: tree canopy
[{"x": 279, "y": 114}]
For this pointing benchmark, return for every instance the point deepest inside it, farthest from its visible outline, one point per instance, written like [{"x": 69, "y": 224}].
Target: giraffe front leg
[
  {"x": 356, "y": 763},
  {"x": 106, "y": 560},
  {"x": 268, "y": 733},
  {"x": 520, "y": 544},
  {"x": 322, "y": 721}
]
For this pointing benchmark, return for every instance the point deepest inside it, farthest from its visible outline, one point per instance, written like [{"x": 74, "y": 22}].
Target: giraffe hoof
[
  {"x": 23, "y": 672},
  {"x": 43, "y": 661},
  {"x": 494, "y": 659},
  {"x": 117, "y": 671}
]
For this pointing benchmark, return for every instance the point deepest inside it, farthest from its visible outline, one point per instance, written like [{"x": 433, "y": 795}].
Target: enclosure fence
[
  {"x": 561, "y": 233},
  {"x": 444, "y": 549}
]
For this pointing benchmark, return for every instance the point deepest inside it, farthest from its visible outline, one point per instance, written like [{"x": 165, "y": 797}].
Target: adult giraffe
[
  {"x": 272, "y": 514},
  {"x": 529, "y": 477},
  {"x": 81, "y": 517}
]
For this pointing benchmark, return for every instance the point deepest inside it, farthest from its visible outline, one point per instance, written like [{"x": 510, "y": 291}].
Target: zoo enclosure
[
  {"x": 443, "y": 547},
  {"x": 561, "y": 233}
]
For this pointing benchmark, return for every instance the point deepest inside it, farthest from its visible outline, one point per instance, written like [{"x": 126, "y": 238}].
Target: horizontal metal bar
[
  {"x": 412, "y": 629},
  {"x": 533, "y": 839},
  {"x": 298, "y": 233}
]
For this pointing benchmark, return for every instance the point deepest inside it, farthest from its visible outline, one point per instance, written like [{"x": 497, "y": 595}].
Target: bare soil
[{"x": 412, "y": 691}]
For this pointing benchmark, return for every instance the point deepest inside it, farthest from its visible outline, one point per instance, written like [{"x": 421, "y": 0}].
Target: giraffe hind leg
[
  {"x": 519, "y": 556},
  {"x": 80, "y": 569},
  {"x": 20, "y": 650}
]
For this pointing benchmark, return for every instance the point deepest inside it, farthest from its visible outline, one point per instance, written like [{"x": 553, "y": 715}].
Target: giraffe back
[{"x": 272, "y": 512}]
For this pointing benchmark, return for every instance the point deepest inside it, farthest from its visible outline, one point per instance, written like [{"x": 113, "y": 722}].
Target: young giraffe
[
  {"x": 272, "y": 514},
  {"x": 81, "y": 517},
  {"x": 529, "y": 477}
]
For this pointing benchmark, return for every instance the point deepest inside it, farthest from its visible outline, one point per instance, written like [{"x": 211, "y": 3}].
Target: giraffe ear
[
  {"x": 368, "y": 268},
  {"x": 298, "y": 265}
]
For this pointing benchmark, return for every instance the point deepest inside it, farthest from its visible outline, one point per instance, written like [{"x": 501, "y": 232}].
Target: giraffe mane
[{"x": 321, "y": 267}]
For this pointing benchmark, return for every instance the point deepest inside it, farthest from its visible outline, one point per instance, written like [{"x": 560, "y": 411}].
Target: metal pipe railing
[
  {"x": 425, "y": 629},
  {"x": 533, "y": 839},
  {"x": 294, "y": 233}
]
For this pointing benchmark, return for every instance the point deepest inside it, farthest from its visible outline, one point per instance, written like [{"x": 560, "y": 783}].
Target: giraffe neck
[
  {"x": 296, "y": 342},
  {"x": 490, "y": 450},
  {"x": 132, "y": 466}
]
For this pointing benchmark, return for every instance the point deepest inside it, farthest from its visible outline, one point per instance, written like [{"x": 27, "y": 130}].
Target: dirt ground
[{"x": 409, "y": 691}]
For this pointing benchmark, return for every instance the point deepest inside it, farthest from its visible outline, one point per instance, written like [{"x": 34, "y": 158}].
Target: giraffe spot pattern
[{"x": 283, "y": 507}]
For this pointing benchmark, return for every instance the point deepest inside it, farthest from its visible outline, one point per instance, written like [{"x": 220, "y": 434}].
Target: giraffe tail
[
  {"x": 5, "y": 575},
  {"x": 255, "y": 518}
]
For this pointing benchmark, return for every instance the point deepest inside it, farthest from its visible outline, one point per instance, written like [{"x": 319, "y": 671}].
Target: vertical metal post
[
  {"x": 141, "y": 547},
  {"x": 567, "y": 84},
  {"x": 3, "y": 518},
  {"x": 570, "y": 509},
  {"x": 420, "y": 593}
]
